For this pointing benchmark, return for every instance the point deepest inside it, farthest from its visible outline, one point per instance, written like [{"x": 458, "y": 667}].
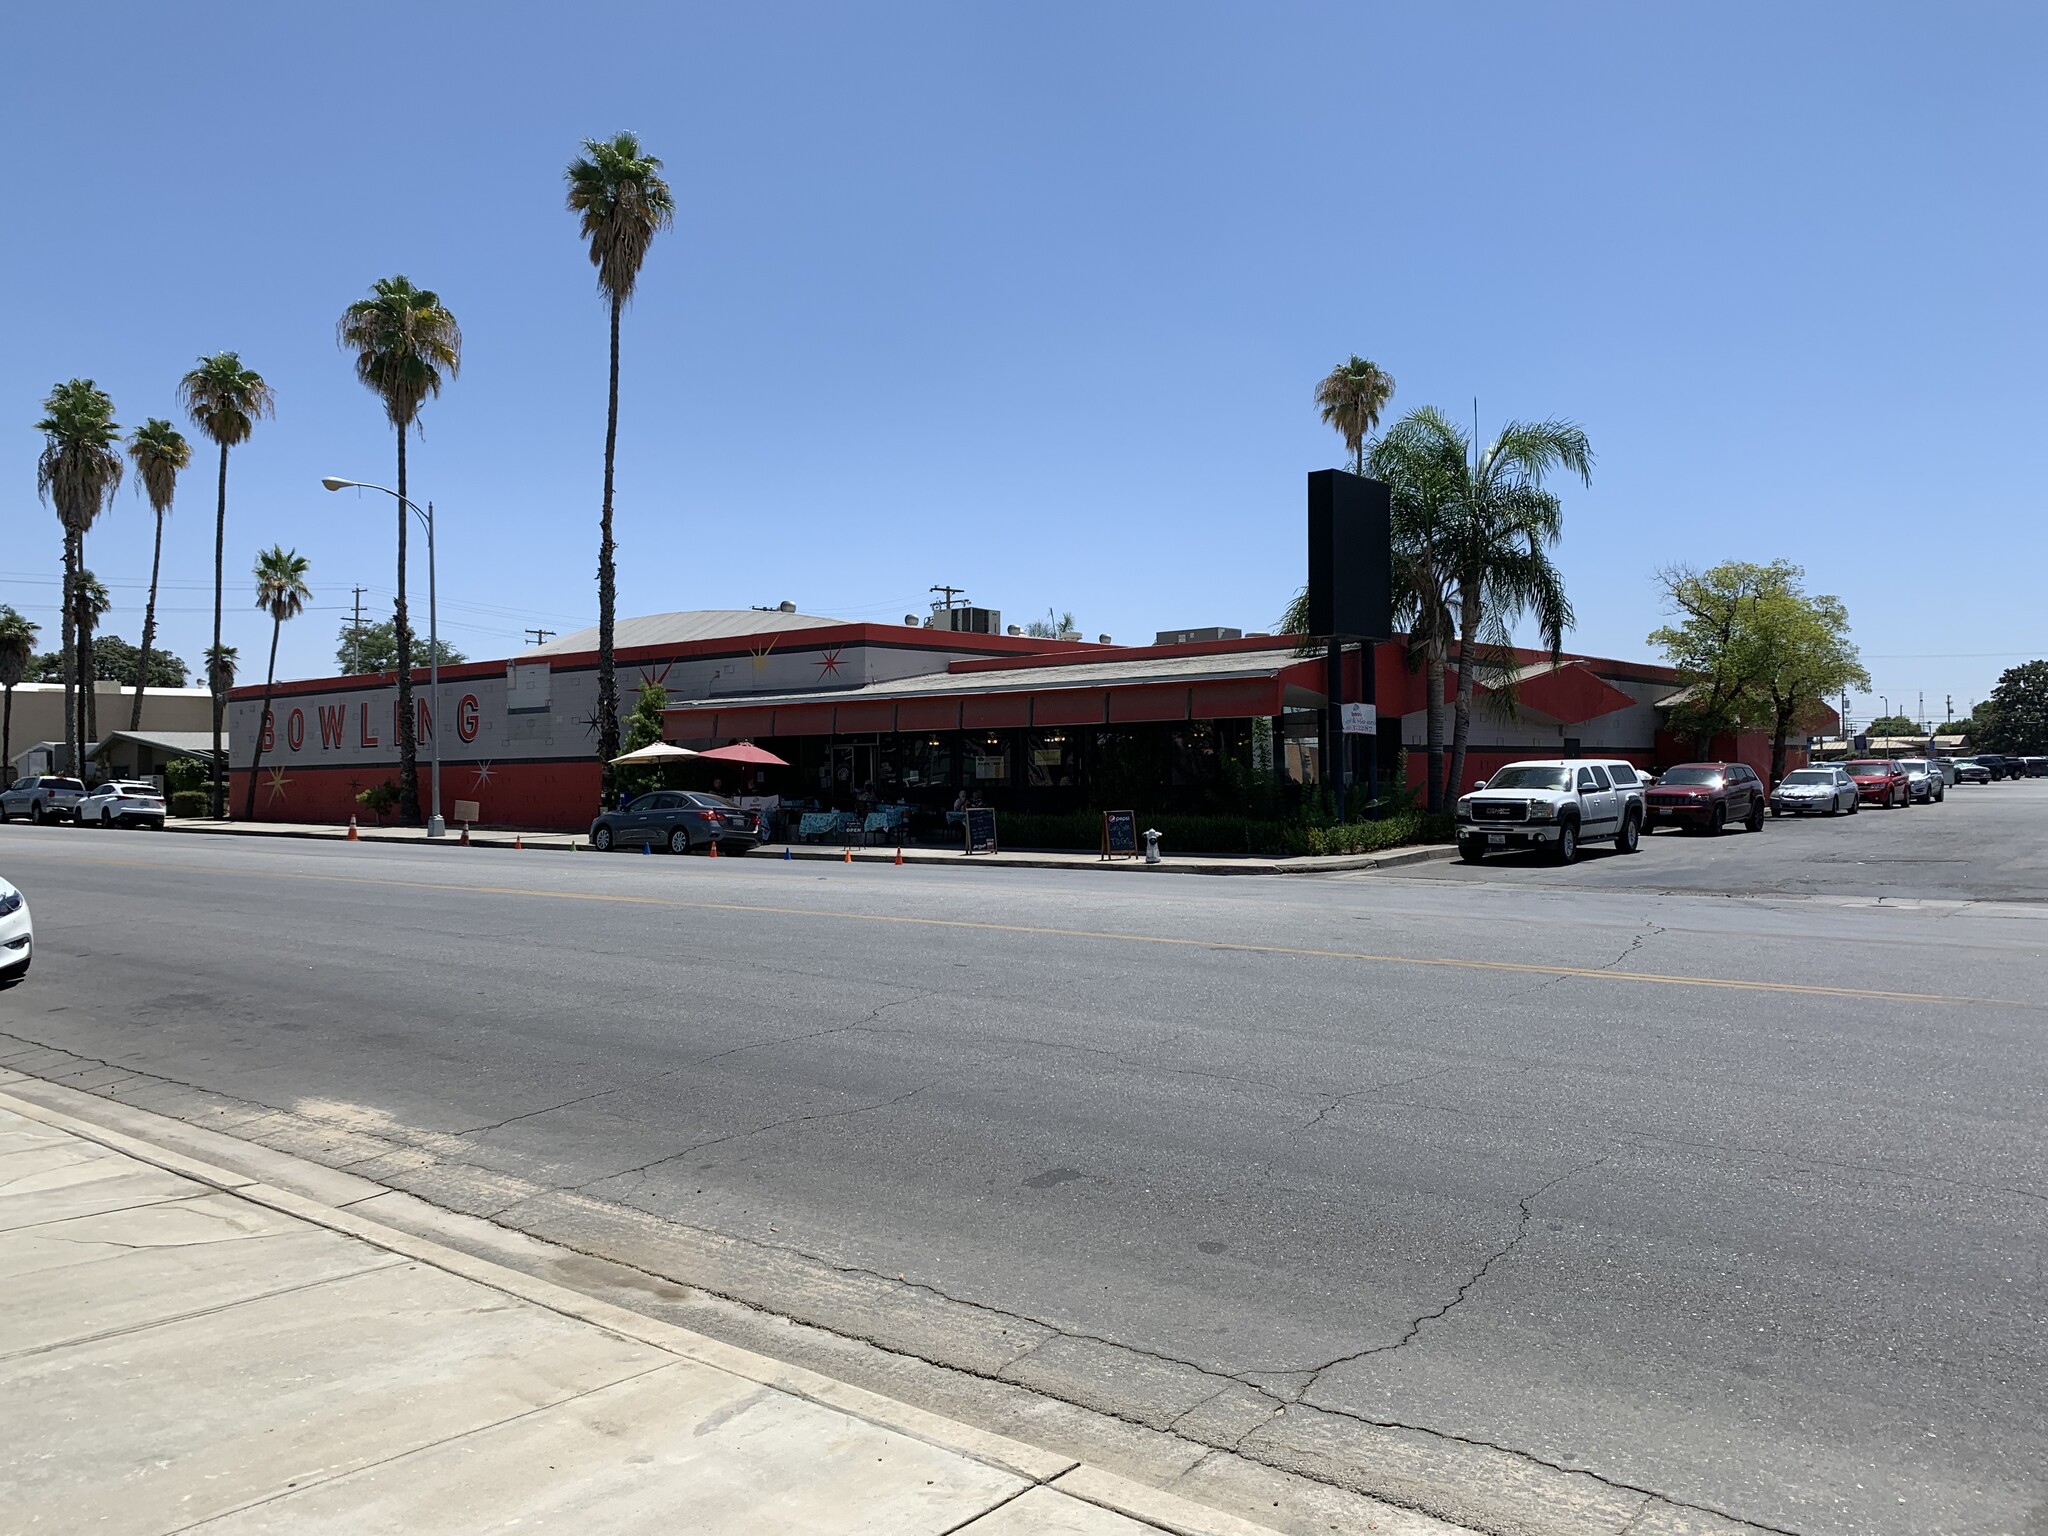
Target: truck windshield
[{"x": 1531, "y": 777}]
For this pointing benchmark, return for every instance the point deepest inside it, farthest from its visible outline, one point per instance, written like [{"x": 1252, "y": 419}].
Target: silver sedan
[{"x": 1822, "y": 791}]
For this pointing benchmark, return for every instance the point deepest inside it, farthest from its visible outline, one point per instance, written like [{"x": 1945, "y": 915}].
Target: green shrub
[
  {"x": 378, "y": 799},
  {"x": 1183, "y": 834},
  {"x": 187, "y": 773},
  {"x": 190, "y": 802}
]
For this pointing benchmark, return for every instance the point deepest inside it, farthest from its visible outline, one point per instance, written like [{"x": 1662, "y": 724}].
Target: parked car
[
  {"x": 122, "y": 803},
  {"x": 1823, "y": 790},
  {"x": 1880, "y": 781},
  {"x": 17, "y": 935},
  {"x": 41, "y": 797},
  {"x": 1924, "y": 780},
  {"x": 2037, "y": 767},
  {"x": 1554, "y": 803},
  {"x": 1705, "y": 797},
  {"x": 680, "y": 820},
  {"x": 1969, "y": 771}
]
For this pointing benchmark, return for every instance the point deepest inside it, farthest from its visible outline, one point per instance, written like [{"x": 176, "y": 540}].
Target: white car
[
  {"x": 1929, "y": 782},
  {"x": 122, "y": 803},
  {"x": 1821, "y": 790},
  {"x": 1554, "y": 803},
  {"x": 17, "y": 935}
]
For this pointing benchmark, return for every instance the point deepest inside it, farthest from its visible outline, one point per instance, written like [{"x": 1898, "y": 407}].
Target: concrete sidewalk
[
  {"x": 952, "y": 858},
  {"x": 183, "y": 1348}
]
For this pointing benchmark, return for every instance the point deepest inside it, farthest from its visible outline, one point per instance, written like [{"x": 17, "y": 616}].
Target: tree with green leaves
[
  {"x": 159, "y": 452},
  {"x": 90, "y": 601},
  {"x": 77, "y": 474},
  {"x": 1891, "y": 725},
  {"x": 405, "y": 341},
  {"x": 1807, "y": 659},
  {"x": 225, "y": 401},
  {"x": 17, "y": 645},
  {"x": 115, "y": 660},
  {"x": 1497, "y": 523},
  {"x": 1754, "y": 650},
  {"x": 643, "y": 729},
  {"x": 1351, "y": 397},
  {"x": 617, "y": 192},
  {"x": 281, "y": 592},
  {"x": 374, "y": 648},
  {"x": 2015, "y": 718},
  {"x": 1052, "y": 626}
]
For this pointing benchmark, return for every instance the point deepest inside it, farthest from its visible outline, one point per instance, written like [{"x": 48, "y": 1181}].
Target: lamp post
[{"x": 436, "y": 827}]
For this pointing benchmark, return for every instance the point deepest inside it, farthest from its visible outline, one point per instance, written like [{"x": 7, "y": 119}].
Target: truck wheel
[
  {"x": 1471, "y": 852},
  {"x": 1567, "y": 842},
  {"x": 1631, "y": 836}
]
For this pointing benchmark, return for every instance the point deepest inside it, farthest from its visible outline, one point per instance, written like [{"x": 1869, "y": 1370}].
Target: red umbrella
[{"x": 743, "y": 752}]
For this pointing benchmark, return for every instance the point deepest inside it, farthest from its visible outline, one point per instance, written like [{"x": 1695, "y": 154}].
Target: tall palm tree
[
  {"x": 17, "y": 644},
  {"x": 91, "y": 600},
  {"x": 617, "y": 191},
  {"x": 1501, "y": 523},
  {"x": 281, "y": 591},
  {"x": 225, "y": 401},
  {"x": 404, "y": 339},
  {"x": 77, "y": 473},
  {"x": 159, "y": 451},
  {"x": 1351, "y": 397}
]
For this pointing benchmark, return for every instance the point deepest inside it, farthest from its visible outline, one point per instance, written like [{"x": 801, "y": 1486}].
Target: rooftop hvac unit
[
  {"x": 969, "y": 621},
  {"x": 1192, "y": 636}
]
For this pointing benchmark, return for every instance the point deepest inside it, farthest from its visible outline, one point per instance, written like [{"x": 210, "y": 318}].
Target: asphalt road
[{"x": 1718, "y": 1173}]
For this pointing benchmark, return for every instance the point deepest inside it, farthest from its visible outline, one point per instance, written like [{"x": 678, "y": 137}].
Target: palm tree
[
  {"x": 90, "y": 598},
  {"x": 159, "y": 451},
  {"x": 225, "y": 401},
  {"x": 17, "y": 644},
  {"x": 403, "y": 339},
  {"x": 77, "y": 474},
  {"x": 281, "y": 591},
  {"x": 1500, "y": 523},
  {"x": 1351, "y": 397},
  {"x": 618, "y": 192}
]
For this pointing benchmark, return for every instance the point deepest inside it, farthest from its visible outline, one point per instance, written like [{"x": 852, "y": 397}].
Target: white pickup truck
[{"x": 1554, "y": 803}]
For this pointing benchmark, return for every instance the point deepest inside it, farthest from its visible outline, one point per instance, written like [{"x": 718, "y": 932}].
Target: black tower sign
[{"x": 1350, "y": 556}]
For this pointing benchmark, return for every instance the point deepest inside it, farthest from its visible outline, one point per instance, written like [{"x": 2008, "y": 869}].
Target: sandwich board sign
[
  {"x": 1119, "y": 834},
  {"x": 981, "y": 830}
]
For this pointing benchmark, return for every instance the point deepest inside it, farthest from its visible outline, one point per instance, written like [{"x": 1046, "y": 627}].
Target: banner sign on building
[{"x": 1361, "y": 719}]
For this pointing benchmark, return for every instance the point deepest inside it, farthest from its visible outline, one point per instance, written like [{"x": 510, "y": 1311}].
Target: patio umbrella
[
  {"x": 658, "y": 752},
  {"x": 744, "y": 752}
]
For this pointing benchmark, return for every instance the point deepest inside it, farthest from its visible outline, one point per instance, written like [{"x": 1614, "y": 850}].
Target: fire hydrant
[{"x": 1151, "y": 845}]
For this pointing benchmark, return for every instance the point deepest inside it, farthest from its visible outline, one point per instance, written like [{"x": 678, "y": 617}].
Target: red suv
[
  {"x": 1880, "y": 781},
  {"x": 1705, "y": 797}
]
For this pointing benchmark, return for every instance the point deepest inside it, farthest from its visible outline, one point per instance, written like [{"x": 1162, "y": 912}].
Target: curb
[
  {"x": 923, "y": 858},
  {"x": 1093, "y": 1485}
]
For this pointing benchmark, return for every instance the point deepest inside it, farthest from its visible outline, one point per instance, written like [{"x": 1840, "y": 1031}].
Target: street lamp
[{"x": 436, "y": 827}]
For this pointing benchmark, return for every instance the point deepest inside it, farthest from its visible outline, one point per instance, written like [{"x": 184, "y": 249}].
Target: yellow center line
[{"x": 1440, "y": 962}]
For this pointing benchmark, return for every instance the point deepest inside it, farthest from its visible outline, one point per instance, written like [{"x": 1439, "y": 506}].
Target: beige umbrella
[{"x": 657, "y": 752}]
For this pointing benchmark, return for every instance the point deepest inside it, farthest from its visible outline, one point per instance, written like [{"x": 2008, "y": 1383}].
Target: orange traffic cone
[
  {"x": 517, "y": 842},
  {"x": 353, "y": 835},
  {"x": 465, "y": 837},
  {"x": 849, "y": 855},
  {"x": 714, "y": 847},
  {"x": 899, "y": 853}
]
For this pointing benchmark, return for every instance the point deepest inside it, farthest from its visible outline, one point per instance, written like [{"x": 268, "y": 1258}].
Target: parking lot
[{"x": 1983, "y": 843}]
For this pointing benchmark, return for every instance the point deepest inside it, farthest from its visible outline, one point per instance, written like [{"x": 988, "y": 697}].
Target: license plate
[{"x": 1496, "y": 840}]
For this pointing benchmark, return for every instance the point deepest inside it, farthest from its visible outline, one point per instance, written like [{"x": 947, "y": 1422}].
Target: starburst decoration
[
  {"x": 277, "y": 783},
  {"x": 649, "y": 676},
  {"x": 483, "y": 775},
  {"x": 760, "y": 654},
  {"x": 593, "y": 723},
  {"x": 355, "y": 786},
  {"x": 828, "y": 664}
]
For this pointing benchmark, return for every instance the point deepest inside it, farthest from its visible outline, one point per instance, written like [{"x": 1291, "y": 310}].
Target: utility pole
[
  {"x": 951, "y": 593},
  {"x": 355, "y": 633},
  {"x": 1923, "y": 721},
  {"x": 1948, "y": 706},
  {"x": 540, "y": 636}
]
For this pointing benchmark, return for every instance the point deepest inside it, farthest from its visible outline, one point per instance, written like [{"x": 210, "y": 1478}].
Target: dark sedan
[
  {"x": 1705, "y": 797},
  {"x": 679, "y": 820},
  {"x": 1880, "y": 781},
  {"x": 1970, "y": 771}
]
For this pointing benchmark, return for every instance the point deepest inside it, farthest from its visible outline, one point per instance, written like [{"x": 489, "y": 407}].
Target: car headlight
[
  {"x": 1538, "y": 811},
  {"x": 1465, "y": 807},
  {"x": 11, "y": 902}
]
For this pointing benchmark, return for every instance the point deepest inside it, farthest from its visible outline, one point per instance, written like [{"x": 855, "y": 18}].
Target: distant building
[{"x": 38, "y": 734}]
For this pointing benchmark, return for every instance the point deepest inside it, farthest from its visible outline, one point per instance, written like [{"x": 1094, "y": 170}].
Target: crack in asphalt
[
  {"x": 1523, "y": 1215},
  {"x": 1358, "y": 1093}
]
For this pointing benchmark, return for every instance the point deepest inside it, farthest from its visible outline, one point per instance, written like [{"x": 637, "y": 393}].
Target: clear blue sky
[{"x": 1031, "y": 299}]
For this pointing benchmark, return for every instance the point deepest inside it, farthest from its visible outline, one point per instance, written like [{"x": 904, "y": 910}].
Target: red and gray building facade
[{"x": 913, "y": 713}]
